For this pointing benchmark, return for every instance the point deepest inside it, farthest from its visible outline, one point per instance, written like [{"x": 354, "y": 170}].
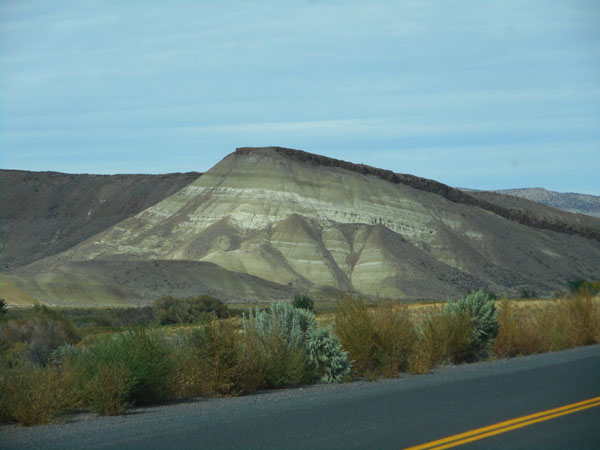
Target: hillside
[
  {"x": 297, "y": 222},
  {"x": 567, "y": 201},
  {"x": 43, "y": 213}
]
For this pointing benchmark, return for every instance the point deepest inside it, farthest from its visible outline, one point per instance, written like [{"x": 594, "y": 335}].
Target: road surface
[{"x": 388, "y": 414}]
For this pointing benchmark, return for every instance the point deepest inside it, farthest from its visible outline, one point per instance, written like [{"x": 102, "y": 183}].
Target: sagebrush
[{"x": 379, "y": 341}]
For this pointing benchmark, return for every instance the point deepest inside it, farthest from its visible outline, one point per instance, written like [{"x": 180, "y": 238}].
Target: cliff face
[
  {"x": 44, "y": 213},
  {"x": 305, "y": 223}
]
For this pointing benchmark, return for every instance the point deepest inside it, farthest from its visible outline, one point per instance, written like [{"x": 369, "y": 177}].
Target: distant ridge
[
  {"x": 567, "y": 201},
  {"x": 454, "y": 195}
]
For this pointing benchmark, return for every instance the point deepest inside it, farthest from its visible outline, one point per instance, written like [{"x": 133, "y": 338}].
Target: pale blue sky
[{"x": 478, "y": 94}]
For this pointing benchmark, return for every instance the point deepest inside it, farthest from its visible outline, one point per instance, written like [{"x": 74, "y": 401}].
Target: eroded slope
[
  {"x": 44, "y": 213},
  {"x": 319, "y": 227}
]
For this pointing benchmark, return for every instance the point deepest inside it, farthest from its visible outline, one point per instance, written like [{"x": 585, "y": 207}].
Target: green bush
[
  {"x": 325, "y": 354},
  {"x": 528, "y": 293},
  {"x": 480, "y": 307},
  {"x": 169, "y": 310},
  {"x": 379, "y": 340},
  {"x": 107, "y": 391},
  {"x": 142, "y": 355},
  {"x": 303, "y": 302},
  {"x": 211, "y": 362},
  {"x": 130, "y": 317},
  {"x": 583, "y": 286},
  {"x": 38, "y": 334},
  {"x": 295, "y": 348}
]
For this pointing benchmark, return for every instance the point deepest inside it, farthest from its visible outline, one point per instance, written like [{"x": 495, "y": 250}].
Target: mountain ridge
[
  {"x": 44, "y": 213},
  {"x": 318, "y": 229},
  {"x": 567, "y": 201},
  {"x": 455, "y": 195}
]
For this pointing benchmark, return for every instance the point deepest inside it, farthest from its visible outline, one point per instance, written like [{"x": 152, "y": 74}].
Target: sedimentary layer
[{"x": 274, "y": 214}]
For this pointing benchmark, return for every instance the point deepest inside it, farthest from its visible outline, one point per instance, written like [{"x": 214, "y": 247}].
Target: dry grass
[
  {"x": 542, "y": 326},
  {"x": 209, "y": 362},
  {"x": 443, "y": 338},
  {"x": 34, "y": 395},
  {"x": 219, "y": 359},
  {"x": 379, "y": 340}
]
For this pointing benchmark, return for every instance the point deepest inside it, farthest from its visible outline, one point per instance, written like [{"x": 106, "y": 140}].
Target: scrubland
[{"x": 54, "y": 363}]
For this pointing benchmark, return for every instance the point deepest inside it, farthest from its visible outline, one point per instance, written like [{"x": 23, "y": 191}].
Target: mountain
[
  {"x": 43, "y": 213},
  {"x": 567, "y": 201},
  {"x": 265, "y": 223}
]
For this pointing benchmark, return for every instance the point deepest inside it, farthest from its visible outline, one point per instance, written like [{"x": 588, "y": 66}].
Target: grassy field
[{"x": 55, "y": 361}]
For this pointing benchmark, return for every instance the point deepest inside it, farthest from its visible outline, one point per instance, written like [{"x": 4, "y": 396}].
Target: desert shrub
[
  {"x": 582, "y": 286},
  {"x": 326, "y": 355},
  {"x": 42, "y": 330},
  {"x": 518, "y": 334},
  {"x": 280, "y": 363},
  {"x": 583, "y": 318},
  {"x": 35, "y": 395},
  {"x": 445, "y": 335},
  {"x": 109, "y": 317},
  {"x": 292, "y": 347},
  {"x": 144, "y": 358},
  {"x": 283, "y": 319},
  {"x": 482, "y": 311},
  {"x": 379, "y": 342},
  {"x": 169, "y": 310},
  {"x": 528, "y": 293},
  {"x": 107, "y": 391},
  {"x": 211, "y": 362},
  {"x": 129, "y": 317},
  {"x": 555, "y": 325},
  {"x": 63, "y": 353},
  {"x": 304, "y": 302},
  {"x": 276, "y": 336}
]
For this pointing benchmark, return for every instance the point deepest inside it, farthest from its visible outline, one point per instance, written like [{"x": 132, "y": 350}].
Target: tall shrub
[
  {"x": 210, "y": 362},
  {"x": 444, "y": 336},
  {"x": 142, "y": 356},
  {"x": 304, "y": 302},
  {"x": 168, "y": 310},
  {"x": 34, "y": 395},
  {"x": 38, "y": 334},
  {"x": 480, "y": 307},
  {"x": 292, "y": 337},
  {"x": 379, "y": 341}
]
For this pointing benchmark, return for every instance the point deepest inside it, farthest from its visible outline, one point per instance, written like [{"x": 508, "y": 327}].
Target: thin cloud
[{"x": 350, "y": 79}]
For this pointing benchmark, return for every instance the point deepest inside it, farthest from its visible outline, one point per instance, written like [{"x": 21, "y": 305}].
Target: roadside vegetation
[{"x": 54, "y": 363}]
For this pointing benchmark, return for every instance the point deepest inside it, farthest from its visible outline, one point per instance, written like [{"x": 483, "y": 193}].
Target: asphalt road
[{"x": 390, "y": 414}]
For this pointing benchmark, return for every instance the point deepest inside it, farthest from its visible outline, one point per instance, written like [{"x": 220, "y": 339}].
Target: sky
[{"x": 477, "y": 94}]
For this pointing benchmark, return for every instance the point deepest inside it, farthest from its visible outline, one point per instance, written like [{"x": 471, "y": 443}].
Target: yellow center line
[{"x": 508, "y": 425}]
